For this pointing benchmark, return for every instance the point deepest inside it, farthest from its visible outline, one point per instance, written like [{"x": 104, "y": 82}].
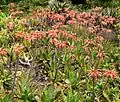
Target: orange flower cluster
[
  {"x": 94, "y": 73},
  {"x": 58, "y": 25},
  {"x": 89, "y": 42},
  {"x": 99, "y": 39},
  {"x": 100, "y": 55},
  {"x": 58, "y": 17},
  {"x": 72, "y": 22},
  {"x": 34, "y": 35},
  {"x": 93, "y": 21},
  {"x": 55, "y": 33},
  {"x": 3, "y": 52},
  {"x": 110, "y": 73},
  {"x": 96, "y": 45},
  {"x": 20, "y": 35},
  {"x": 58, "y": 44},
  {"x": 106, "y": 20}
]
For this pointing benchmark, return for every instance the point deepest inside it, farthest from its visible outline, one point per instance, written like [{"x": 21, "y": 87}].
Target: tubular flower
[
  {"x": 20, "y": 35},
  {"x": 94, "y": 73},
  {"x": 89, "y": 42},
  {"x": 91, "y": 30},
  {"x": 71, "y": 22},
  {"x": 99, "y": 46},
  {"x": 3, "y": 52},
  {"x": 58, "y": 17},
  {"x": 34, "y": 35},
  {"x": 72, "y": 13},
  {"x": 54, "y": 42},
  {"x": 99, "y": 55},
  {"x": 58, "y": 44},
  {"x": 52, "y": 33},
  {"x": 61, "y": 45},
  {"x": 72, "y": 47},
  {"x": 110, "y": 73},
  {"x": 58, "y": 25},
  {"x": 37, "y": 34},
  {"x": 72, "y": 36},
  {"x": 63, "y": 33},
  {"x": 10, "y": 25},
  {"x": 99, "y": 39}
]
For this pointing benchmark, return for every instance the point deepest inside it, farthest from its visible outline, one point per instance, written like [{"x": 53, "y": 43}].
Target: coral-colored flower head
[
  {"x": 94, "y": 73},
  {"x": 110, "y": 73},
  {"x": 71, "y": 22},
  {"x": 72, "y": 36},
  {"x": 3, "y": 52},
  {"x": 58, "y": 17},
  {"x": 99, "y": 39},
  {"x": 20, "y": 35},
  {"x": 100, "y": 55},
  {"x": 54, "y": 41},
  {"x": 89, "y": 42},
  {"x": 62, "y": 44}
]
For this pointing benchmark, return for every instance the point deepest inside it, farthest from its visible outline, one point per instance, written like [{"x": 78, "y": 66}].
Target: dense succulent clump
[
  {"x": 63, "y": 55},
  {"x": 94, "y": 22}
]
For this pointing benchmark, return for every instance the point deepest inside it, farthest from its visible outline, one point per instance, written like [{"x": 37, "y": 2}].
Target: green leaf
[
  {"x": 106, "y": 96},
  {"x": 5, "y": 99},
  {"x": 67, "y": 81}
]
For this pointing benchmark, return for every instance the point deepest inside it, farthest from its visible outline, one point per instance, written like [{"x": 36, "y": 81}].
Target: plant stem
[
  {"x": 103, "y": 87},
  {"x": 93, "y": 90},
  {"x": 54, "y": 58},
  {"x": 105, "y": 84}
]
